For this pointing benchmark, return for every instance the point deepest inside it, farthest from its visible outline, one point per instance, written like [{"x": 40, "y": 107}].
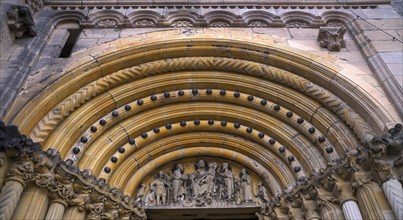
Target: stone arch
[{"x": 98, "y": 81}]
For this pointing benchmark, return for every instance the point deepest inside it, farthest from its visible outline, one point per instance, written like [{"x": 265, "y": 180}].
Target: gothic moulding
[
  {"x": 379, "y": 118},
  {"x": 227, "y": 47}
]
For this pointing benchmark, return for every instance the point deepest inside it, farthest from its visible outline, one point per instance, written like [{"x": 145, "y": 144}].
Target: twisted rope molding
[{"x": 323, "y": 96}]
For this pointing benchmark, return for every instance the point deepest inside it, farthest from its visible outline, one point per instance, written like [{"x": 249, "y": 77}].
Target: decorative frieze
[{"x": 210, "y": 184}]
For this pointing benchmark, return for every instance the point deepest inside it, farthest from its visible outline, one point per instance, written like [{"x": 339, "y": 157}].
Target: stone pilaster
[{"x": 9, "y": 197}]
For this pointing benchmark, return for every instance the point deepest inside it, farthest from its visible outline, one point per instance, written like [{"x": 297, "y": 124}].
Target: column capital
[
  {"x": 344, "y": 192},
  {"x": 360, "y": 179},
  {"x": 381, "y": 171}
]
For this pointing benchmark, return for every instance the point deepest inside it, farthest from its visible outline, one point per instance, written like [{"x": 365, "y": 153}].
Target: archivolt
[
  {"x": 299, "y": 88},
  {"x": 203, "y": 63}
]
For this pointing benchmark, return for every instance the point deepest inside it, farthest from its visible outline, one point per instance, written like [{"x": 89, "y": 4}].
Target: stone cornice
[{"x": 225, "y": 3}]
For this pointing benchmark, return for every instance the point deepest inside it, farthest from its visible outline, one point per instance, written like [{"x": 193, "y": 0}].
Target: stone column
[
  {"x": 9, "y": 197},
  {"x": 371, "y": 199},
  {"x": 344, "y": 192},
  {"x": 33, "y": 203},
  {"x": 56, "y": 210},
  {"x": 74, "y": 213},
  {"x": 3, "y": 168},
  {"x": 351, "y": 210},
  {"x": 394, "y": 193},
  {"x": 331, "y": 211}
]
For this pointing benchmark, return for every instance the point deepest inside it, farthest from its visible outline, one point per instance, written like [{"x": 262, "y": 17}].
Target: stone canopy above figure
[{"x": 210, "y": 184}]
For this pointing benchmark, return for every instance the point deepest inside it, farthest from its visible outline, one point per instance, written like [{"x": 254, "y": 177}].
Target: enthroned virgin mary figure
[{"x": 199, "y": 179}]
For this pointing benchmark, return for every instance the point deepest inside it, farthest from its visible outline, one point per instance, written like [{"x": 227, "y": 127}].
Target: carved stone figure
[
  {"x": 63, "y": 180},
  {"x": 211, "y": 174},
  {"x": 178, "y": 187},
  {"x": 20, "y": 21},
  {"x": 228, "y": 182},
  {"x": 261, "y": 193},
  {"x": 150, "y": 198},
  {"x": 141, "y": 193},
  {"x": 199, "y": 179},
  {"x": 245, "y": 186},
  {"x": 394, "y": 140},
  {"x": 332, "y": 38},
  {"x": 160, "y": 185}
]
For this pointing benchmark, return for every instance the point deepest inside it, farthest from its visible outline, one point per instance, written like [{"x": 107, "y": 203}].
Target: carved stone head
[{"x": 332, "y": 38}]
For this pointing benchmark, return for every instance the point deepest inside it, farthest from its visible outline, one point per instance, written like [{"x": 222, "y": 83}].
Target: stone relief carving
[
  {"x": 144, "y": 23},
  {"x": 258, "y": 24},
  {"x": 107, "y": 23},
  {"x": 335, "y": 24},
  {"x": 296, "y": 24},
  {"x": 182, "y": 23},
  {"x": 63, "y": 179},
  {"x": 219, "y": 24},
  {"x": 332, "y": 38},
  {"x": 20, "y": 21},
  {"x": 209, "y": 185},
  {"x": 384, "y": 154}
]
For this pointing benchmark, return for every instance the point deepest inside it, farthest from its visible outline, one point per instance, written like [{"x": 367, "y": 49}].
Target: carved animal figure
[{"x": 332, "y": 38}]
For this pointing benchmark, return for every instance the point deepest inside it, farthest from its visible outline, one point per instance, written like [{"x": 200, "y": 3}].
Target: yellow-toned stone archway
[{"x": 123, "y": 109}]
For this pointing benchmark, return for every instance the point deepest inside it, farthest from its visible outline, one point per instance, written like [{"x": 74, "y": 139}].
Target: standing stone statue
[
  {"x": 199, "y": 179},
  {"x": 150, "y": 197},
  {"x": 228, "y": 181},
  {"x": 211, "y": 173},
  {"x": 178, "y": 187},
  {"x": 141, "y": 193},
  {"x": 245, "y": 186},
  {"x": 160, "y": 185},
  {"x": 261, "y": 193}
]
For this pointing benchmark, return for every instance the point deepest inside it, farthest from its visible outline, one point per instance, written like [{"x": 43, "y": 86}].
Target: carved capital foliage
[
  {"x": 384, "y": 154},
  {"x": 20, "y": 21},
  {"x": 332, "y": 38},
  {"x": 64, "y": 180},
  {"x": 360, "y": 179},
  {"x": 381, "y": 171}
]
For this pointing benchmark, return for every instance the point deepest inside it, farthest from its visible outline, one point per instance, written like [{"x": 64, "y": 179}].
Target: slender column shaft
[
  {"x": 55, "y": 211},
  {"x": 73, "y": 213},
  {"x": 351, "y": 210},
  {"x": 373, "y": 203},
  {"x": 394, "y": 193},
  {"x": 331, "y": 212},
  {"x": 10, "y": 194},
  {"x": 3, "y": 168},
  {"x": 33, "y": 203}
]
